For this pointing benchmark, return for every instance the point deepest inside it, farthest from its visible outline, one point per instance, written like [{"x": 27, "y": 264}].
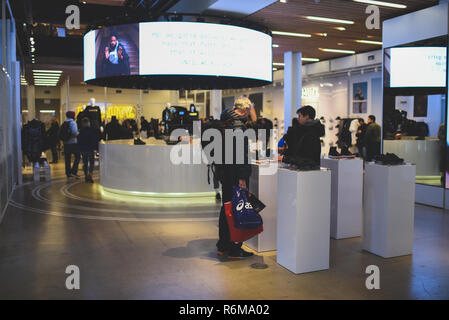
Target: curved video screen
[{"x": 185, "y": 49}]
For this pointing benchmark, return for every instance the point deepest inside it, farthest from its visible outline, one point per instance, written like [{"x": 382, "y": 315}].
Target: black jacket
[
  {"x": 234, "y": 171},
  {"x": 88, "y": 139},
  {"x": 361, "y": 136},
  {"x": 53, "y": 134},
  {"x": 113, "y": 130},
  {"x": 303, "y": 143}
]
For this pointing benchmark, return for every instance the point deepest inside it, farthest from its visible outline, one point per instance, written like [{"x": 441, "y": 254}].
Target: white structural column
[
  {"x": 215, "y": 103},
  {"x": 31, "y": 102},
  {"x": 292, "y": 86}
]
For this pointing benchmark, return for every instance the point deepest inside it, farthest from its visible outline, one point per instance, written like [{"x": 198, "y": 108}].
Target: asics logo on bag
[{"x": 242, "y": 204}]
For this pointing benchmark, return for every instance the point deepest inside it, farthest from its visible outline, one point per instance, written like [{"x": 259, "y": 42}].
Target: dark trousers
[
  {"x": 70, "y": 149},
  {"x": 54, "y": 152},
  {"x": 224, "y": 241},
  {"x": 88, "y": 162},
  {"x": 372, "y": 150}
]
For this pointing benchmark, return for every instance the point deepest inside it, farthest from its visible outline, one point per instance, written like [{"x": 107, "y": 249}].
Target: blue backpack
[{"x": 245, "y": 217}]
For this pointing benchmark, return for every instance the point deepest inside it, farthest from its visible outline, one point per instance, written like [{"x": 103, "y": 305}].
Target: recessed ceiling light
[
  {"x": 329, "y": 20},
  {"x": 274, "y": 69},
  {"x": 337, "y": 51},
  {"x": 275, "y": 46},
  {"x": 382, "y": 3},
  {"x": 369, "y": 42},
  {"x": 340, "y": 28},
  {"x": 283, "y": 1},
  {"x": 291, "y": 34}
]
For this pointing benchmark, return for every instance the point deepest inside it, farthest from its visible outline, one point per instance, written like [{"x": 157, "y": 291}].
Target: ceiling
[{"x": 66, "y": 53}]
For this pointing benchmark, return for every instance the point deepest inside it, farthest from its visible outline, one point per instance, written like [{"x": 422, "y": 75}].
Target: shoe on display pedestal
[{"x": 138, "y": 142}]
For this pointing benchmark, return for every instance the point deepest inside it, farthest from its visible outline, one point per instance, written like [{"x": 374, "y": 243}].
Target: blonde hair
[{"x": 243, "y": 103}]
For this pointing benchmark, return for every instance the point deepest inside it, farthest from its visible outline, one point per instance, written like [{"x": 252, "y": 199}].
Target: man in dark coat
[{"x": 303, "y": 140}]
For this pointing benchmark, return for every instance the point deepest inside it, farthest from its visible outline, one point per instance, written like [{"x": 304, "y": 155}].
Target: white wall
[{"x": 420, "y": 25}]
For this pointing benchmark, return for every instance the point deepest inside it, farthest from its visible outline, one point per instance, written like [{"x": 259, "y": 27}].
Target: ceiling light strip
[
  {"x": 337, "y": 51},
  {"x": 369, "y": 42},
  {"x": 331, "y": 20},
  {"x": 291, "y": 34},
  {"x": 383, "y": 3},
  {"x": 48, "y": 71}
]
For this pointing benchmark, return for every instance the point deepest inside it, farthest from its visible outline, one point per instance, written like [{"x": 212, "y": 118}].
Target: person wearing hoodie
[
  {"x": 88, "y": 142},
  {"x": 303, "y": 140}
]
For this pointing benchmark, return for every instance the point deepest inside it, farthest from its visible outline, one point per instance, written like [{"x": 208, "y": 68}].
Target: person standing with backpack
[{"x": 68, "y": 134}]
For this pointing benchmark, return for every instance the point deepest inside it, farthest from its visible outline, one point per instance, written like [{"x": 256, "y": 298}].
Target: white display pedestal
[
  {"x": 346, "y": 197},
  {"x": 389, "y": 207},
  {"x": 42, "y": 171},
  {"x": 303, "y": 220},
  {"x": 264, "y": 187}
]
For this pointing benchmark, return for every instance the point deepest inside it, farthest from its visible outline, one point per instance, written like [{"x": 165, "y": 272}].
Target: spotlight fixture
[
  {"x": 383, "y": 3},
  {"x": 331, "y": 20}
]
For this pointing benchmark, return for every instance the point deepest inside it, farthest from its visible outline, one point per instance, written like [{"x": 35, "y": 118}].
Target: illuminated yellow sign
[{"x": 121, "y": 112}]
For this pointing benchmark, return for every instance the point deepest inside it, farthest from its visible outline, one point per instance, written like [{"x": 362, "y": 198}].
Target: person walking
[
  {"x": 372, "y": 138},
  {"x": 88, "y": 143},
  {"x": 53, "y": 139},
  {"x": 68, "y": 134}
]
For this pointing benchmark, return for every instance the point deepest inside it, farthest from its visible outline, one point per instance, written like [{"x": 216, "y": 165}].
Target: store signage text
[{"x": 310, "y": 92}]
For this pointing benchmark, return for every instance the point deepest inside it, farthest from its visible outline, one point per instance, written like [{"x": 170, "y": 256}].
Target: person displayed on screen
[{"x": 115, "y": 59}]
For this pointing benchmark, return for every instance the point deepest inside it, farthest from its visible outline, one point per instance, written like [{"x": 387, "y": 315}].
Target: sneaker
[
  {"x": 333, "y": 152},
  {"x": 218, "y": 197},
  {"x": 75, "y": 175},
  {"x": 241, "y": 254}
]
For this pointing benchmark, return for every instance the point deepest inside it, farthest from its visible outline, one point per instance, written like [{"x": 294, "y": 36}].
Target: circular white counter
[{"x": 147, "y": 170}]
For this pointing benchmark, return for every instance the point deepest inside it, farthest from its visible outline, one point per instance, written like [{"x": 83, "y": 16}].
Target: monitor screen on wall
[
  {"x": 177, "y": 49},
  {"x": 416, "y": 67}
]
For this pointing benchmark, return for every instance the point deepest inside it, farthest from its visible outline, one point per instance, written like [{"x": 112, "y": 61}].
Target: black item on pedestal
[{"x": 389, "y": 159}]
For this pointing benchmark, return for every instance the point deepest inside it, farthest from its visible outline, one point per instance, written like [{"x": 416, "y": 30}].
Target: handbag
[
  {"x": 245, "y": 217},
  {"x": 235, "y": 234}
]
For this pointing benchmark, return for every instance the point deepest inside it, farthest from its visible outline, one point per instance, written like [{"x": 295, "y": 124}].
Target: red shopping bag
[{"x": 238, "y": 235}]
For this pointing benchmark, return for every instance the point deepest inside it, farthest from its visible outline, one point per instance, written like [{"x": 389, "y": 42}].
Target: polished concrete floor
[{"x": 129, "y": 249}]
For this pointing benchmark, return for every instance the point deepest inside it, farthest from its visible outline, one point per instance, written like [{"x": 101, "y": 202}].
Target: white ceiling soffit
[{"x": 239, "y": 7}]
